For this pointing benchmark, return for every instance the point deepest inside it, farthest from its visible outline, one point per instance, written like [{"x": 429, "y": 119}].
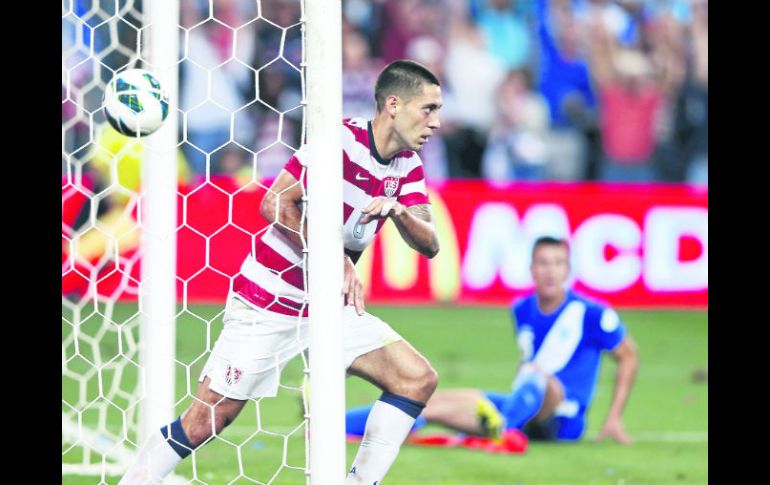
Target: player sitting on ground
[{"x": 561, "y": 335}]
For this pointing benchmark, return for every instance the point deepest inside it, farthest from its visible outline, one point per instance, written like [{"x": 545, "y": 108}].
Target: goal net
[{"x": 241, "y": 111}]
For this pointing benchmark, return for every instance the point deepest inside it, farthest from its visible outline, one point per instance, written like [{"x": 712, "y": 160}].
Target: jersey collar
[{"x": 373, "y": 148}]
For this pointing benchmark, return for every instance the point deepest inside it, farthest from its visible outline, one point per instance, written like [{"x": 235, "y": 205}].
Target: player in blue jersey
[{"x": 561, "y": 336}]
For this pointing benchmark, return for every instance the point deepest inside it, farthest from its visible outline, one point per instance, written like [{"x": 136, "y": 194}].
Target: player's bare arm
[
  {"x": 282, "y": 205},
  {"x": 627, "y": 359},
  {"x": 415, "y": 223}
]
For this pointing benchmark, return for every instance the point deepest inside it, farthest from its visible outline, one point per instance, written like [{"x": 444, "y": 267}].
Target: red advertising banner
[{"x": 632, "y": 245}]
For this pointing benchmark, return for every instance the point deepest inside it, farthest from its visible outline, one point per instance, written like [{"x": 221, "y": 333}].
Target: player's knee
[
  {"x": 418, "y": 387},
  {"x": 423, "y": 386},
  {"x": 554, "y": 391},
  {"x": 430, "y": 381}
]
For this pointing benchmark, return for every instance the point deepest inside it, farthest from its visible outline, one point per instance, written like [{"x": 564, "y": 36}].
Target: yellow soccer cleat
[{"x": 490, "y": 419}]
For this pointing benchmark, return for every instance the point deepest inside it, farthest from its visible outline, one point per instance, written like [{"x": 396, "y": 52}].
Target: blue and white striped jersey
[{"x": 568, "y": 342}]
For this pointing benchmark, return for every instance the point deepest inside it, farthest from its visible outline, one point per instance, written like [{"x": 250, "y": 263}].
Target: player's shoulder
[
  {"x": 356, "y": 123},
  {"x": 355, "y": 137},
  {"x": 599, "y": 312},
  {"x": 357, "y": 127},
  {"x": 522, "y": 302}
]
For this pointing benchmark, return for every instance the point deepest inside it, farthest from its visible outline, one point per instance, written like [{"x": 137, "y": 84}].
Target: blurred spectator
[
  {"x": 233, "y": 162},
  {"x": 506, "y": 27},
  {"x": 359, "y": 12},
  {"x": 663, "y": 38},
  {"x": 517, "y": 148},
  {"x": 693, "y": 100},
  {"x": 278, "y": 135},
  {"x": 630, "y": 98},
  {"x": 278, "y": 114},
  {"x": 210, "y": 87},
  {"x": 84, "y": 32},
  {"x": 473, "y": 75},
  {"x": 404, "y": 20},
  {"x": 359, "y": 74},
  {"x": 565, "y": 83},
  {"x": 435, "y": 162},
  {"x": 275, "y": 42},
  {"x": 366, "y": 17}
]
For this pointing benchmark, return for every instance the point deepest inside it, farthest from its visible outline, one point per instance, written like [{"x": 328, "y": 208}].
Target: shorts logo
[
  {"x": 391, "y": 185},
  {"x": 232, "y": 375}
]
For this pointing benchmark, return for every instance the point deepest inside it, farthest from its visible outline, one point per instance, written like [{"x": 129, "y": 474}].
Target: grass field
[{"x": 667, "y": 413}]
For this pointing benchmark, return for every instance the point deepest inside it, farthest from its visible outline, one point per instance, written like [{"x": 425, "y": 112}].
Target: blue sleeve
[{"x": 604, "y": 326}]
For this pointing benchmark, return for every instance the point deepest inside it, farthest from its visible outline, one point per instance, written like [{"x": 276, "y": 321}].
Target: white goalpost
[
  {"x": 158, "y": 221},
  {"x": 325, "y": 262},
  {"x": 127, "y": 364}
]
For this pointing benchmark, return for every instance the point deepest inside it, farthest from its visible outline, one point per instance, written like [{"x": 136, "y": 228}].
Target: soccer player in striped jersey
[
  {"x": 561, "y": 335},
  {"x": 383, "y": 179}
]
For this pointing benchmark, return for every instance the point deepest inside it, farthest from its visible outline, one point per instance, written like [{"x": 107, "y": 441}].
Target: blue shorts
[{"x": 555, "y": 428}]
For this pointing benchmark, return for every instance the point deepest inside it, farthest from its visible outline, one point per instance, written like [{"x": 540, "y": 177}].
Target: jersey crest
[{"x": 390, "y": 185}]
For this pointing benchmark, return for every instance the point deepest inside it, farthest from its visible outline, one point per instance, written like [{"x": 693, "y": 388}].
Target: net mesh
[{"x": 241, "y": 113}]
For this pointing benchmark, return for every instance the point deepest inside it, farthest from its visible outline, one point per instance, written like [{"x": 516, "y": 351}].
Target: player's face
[
  {"x": 418, "y": 118},
  {"x": 550, "y": 268}
]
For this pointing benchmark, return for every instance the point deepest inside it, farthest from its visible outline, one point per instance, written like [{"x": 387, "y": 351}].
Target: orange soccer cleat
[{"x": 510, "y": 441}]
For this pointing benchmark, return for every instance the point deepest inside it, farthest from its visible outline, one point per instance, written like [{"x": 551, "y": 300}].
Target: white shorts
[{"x": 255, "y": 345}]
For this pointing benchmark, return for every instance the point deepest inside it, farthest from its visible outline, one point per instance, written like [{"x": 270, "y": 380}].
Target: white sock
[
  {"x": 155, "y": 460},
  {"x": 386, "y": 429}
]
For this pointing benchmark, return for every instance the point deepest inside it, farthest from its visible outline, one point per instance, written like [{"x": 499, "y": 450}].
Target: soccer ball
[{"x": 134, "y": 102}]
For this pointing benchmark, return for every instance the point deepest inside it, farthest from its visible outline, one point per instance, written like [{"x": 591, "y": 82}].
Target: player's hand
[
  {"x": 613, "y": 428},
  {"x": 381, "y": 208},
  {"x": 352, "y": 288}
]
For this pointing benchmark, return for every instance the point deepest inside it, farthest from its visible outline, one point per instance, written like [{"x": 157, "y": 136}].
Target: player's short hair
[
  {"x": 403, "y": 78},
  {"x": 549, "y": 241}
]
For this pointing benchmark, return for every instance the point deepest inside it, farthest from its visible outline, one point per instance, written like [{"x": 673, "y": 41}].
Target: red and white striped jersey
[{"x": 271, "y": 277}]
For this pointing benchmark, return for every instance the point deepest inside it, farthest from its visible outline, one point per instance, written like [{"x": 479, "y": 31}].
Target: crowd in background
[
  {"x": 548, "y": 89},
  {"x": 567, "y": 90}
]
